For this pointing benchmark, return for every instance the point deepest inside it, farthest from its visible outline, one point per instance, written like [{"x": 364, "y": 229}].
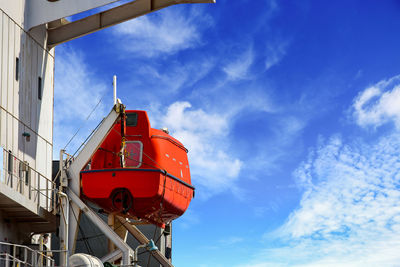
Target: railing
[
  {"x": 21, "y": 178},
  {"x": 12, "y": 255}
]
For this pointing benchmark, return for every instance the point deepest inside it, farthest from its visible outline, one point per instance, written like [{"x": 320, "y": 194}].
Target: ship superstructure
[{"x": 31, "y": 203}]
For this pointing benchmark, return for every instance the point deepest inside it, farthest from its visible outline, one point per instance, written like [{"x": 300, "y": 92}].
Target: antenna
[{"x": 115, "y": 89}]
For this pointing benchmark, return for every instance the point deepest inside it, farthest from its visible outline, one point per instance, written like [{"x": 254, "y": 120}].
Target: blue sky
[{"x": 291, "y": 114}]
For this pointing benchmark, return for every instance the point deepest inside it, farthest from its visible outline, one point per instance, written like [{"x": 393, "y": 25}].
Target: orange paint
[{"x": 152, "y": 180}]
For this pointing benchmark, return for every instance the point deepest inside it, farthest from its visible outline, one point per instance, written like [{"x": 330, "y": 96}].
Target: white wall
[
  {"x": 21, "y": 110},
  {"x": 14, "y": 8}
]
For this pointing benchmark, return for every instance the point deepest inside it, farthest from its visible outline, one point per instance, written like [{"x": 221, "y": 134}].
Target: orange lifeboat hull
[
  {"x": 151, "y": 181},
  {"x": 151, "y": 194}
]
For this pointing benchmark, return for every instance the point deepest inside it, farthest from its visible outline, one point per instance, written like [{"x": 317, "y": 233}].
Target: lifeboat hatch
[
  {"x": 133, "y": 154},
  {"x": 131, "y": 175}
]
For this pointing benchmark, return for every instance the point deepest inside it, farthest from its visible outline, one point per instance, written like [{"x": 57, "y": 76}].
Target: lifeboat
[{"x": 139, "y": 172}]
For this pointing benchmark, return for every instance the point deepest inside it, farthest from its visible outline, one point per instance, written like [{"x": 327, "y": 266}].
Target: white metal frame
[{"x": 70, "y": 180}]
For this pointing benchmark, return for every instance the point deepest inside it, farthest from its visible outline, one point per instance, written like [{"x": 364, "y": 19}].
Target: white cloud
[
  {"x": 349, "y": 214},
  {"x": 205, "y": 135},
  {"x": 76, "y": 93},
  {"x": 165, "y": 32},
  {"x": 215, "y": 163},
  {"x": 176, "y": 77},
  {"x": 379, "y": 104},
  {"x": 231, "y": 240},
  {"x": 274, "y": 53},
  {"x": 238, "y": 69}
]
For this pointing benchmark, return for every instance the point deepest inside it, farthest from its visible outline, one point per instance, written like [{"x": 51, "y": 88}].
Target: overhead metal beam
[
  {"x": 57, "y": 23},
  {"x": 109, "y": 18},
  {"x": 38, "y": 12}
]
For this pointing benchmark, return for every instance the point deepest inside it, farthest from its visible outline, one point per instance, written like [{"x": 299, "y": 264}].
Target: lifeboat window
[
  {"x": 133, "y": 154},
  {"x": 131, "y": 119}
]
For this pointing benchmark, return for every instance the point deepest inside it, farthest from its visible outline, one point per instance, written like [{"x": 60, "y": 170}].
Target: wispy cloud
[
  {"x": 349, "y": 213},
  {"x": 238, "y": 69},
  {"x": 77, "y": 92},
  {"x": 164, "y": 32},
  {"x": 231, "y": 240},
  {"x": 274, "y": 53},
  {"x": 177, "y": 77},
  {"x": 379, "y": 104}
]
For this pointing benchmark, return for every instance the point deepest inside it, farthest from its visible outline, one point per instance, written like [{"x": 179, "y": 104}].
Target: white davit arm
[
  {"x": 90, "y": 148},
  {"x": 74, "y": 168}
]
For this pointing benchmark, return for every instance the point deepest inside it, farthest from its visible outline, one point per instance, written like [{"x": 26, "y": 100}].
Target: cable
[
  {"x": 87, "y": 138},
  {"x": 87, "y": 118},
  {"x": 158, "y": 238},
  {"x": 85, "y": 240}
]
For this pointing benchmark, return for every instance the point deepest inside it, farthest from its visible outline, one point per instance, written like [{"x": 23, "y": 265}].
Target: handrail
[
  {"x": 35, "y": 259},
  {"x": 143, "y": 170},
  {"x": 172, "y": 141},
  {"x": 23, "y": 179}
]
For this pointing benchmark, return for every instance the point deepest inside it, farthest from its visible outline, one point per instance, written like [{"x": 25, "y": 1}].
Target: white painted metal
[
  {"x": 135, "y": 258},
  {"x": 15, "y": 9},
  {"x": 21, "y": 112},
  {"x": 90, "y": 147},
  {"x": 84, "y": 260},
  {"x": 115, "y": 89},
  {"x": 64, "y": 216},
  {"x": 39, "y": 12},
  {"x": 113, "y": 256},
  {"x": 127, "y": 252},
  {"x": 109, "y": 18},
  {"x": 143, "y": 240},
  {"x": 26, "y": 256},
  {"x": 77, "y": 165}
]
